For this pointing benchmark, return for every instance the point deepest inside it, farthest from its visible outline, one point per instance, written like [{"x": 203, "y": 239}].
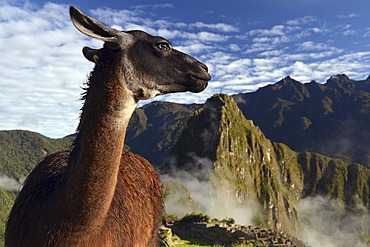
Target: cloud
[
  {"x": 41, "y": 62},
  {"x": 278, "y": 30},
  {"x": 154, "y": 6},
  {"x": 302, "y": 21},
  {"x": 349, "y": 32},
  {"x": 210, "y": 37},
  {"x": 271, "y": 53},
  {"x": 196, "y": 48},
  {"x": 367, "y": 32},
  {"x": 269, "y": 39},
  {"x": 348, "y": 16},
  {"x": 221, "y": 27},
  {"x": 346, "y": 30},
  {"x": 127, "y": 19},
  {"x": 312, "y": 46},
  {"x": 261, "y": 45},
  {"x": 234, "y": 47}
]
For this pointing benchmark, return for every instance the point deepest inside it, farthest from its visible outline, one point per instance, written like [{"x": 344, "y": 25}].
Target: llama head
[{"x": 151, "y": 66}]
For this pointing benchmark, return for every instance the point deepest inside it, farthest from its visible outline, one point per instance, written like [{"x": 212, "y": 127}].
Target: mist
[
  {"x": 9, "y": 184},
  {"x": 215, "y": 201},
  {"x": 326, "y": 223}
]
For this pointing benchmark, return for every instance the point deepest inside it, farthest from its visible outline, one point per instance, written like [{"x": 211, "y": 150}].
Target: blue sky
[{"x": 246, "y": 45}]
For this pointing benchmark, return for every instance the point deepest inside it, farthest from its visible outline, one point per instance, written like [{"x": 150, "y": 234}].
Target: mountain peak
[
  {"x": 339, "y": 77},
  {"x": 204, "y": 128},
  {"x": 291, "y": 89},
  {"x": 288, "y": 80},
  {"x": 341, "y": 81}
]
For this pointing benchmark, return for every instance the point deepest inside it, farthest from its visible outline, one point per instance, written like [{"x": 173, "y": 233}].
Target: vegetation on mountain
[
  {"x": 21, "y": 150},
  {"x": 6, "y": 202},
  {"x": 242, "y": 161},
  {"x": 154, "y": 129}
]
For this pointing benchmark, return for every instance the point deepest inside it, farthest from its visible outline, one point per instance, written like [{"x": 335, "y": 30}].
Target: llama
[{"x": 97, "y": 194}]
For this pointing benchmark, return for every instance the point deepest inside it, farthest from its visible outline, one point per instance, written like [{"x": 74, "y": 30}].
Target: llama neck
[{"x": 95, "y": 159}]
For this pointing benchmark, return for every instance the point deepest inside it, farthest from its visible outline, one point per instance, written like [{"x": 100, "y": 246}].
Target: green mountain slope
[
  {"x": 242, "y": 161},
  {"x": 154, "y": 129},
  {"x": 331, "y": 118},
  {"x": 21, "y": 150},
  {"x": 6, "y": 203},
  {"x": 335, "y": 178}
]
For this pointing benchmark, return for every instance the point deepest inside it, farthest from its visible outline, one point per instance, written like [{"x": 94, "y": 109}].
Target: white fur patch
[
  {"x": 153, "y": 93},
  {"x": 125, "y": 114}
]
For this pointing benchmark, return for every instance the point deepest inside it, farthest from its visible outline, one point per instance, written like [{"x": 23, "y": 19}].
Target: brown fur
[{"x": 97, "y": 195}]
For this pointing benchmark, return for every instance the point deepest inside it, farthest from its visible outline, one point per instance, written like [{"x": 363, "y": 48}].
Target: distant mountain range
[
  {"x": 275, "y": 146},
  {"x": 331, "y": 118}
]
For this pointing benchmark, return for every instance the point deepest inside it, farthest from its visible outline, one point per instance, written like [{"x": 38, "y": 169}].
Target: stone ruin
[{"x": 226, "y": 234}]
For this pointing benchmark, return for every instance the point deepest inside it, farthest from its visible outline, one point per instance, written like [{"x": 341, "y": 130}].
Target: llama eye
[{"x": 164, "y": 46}]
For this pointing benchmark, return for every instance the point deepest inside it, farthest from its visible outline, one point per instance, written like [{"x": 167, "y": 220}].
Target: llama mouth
[
  {"x": 200, "y": 82},
  {"x": 202, "y": 77}
]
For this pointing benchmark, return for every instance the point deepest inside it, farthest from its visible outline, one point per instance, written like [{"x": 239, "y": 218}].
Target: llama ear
[
  {"x": 93, "y": 55},
  {"x": 95, "y": 29}
]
